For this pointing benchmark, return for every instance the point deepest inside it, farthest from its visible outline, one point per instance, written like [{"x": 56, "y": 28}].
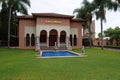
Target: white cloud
[{"x": 56, "y": 6}]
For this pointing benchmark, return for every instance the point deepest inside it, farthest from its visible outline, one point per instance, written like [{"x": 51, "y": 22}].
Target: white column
[
  {"x": 30, "y": 39},
  {"x": 58, "y": 38},
  {"x": 47, "y": 41},
  {"x": 67, "y": 41},
  {"x": 37, "y": 43},
  {"x": 58, "y": 41},
  {"x": 48, "y": 38}
]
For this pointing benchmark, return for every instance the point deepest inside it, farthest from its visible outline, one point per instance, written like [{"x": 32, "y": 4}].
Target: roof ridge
[{"x": 53, "y": 15}]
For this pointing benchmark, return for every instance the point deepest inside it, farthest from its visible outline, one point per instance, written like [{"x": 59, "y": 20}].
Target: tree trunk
[
  {"x": 101, "y": 33},
  {"x": 90, "y": 36},
  {"x": 9, "y": 22}
]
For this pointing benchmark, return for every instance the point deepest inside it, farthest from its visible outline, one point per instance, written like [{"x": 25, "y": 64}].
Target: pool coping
[{"x": 79, "y": 55}]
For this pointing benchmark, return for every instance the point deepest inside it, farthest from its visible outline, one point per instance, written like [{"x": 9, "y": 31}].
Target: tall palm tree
[
  {"x": 85, "y": 13},
  {"x": 101, "y": 7},
  {"x": 15, "y": 6}
]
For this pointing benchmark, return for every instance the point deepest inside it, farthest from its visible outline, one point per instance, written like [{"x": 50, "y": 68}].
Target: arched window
[
  {"x": 75, "y": 40},
  {"x": 62, "y": 37},
  {"x": 71, "y": 39},
  {"x": 43, "y": 36},
  {"x": 27, "y": 39},
  {"x": 32, "y": 40}
]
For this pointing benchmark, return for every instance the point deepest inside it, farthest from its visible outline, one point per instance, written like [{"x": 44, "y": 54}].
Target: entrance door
[
  {"x": 52, "y": 37},
  {"x": 52, "y": 40}
]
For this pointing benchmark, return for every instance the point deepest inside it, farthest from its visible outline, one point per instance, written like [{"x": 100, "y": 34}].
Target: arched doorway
[
  {"x": 62, "y": 37},
  {"x": 43, "y": 36},
  {"x": 53, "y": 37}
]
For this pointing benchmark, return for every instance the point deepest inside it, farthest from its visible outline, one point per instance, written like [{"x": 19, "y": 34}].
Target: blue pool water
[{"x": 57, "y": 53}]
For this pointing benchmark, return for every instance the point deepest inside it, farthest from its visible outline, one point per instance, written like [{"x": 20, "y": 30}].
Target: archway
[
  {"x": 62, "y": 37},
  {"x": 43, "y": 36},
  {"x": 53, "y": 37}
]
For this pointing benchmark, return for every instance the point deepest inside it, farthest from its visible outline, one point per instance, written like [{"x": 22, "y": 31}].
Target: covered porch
[{"x": 52, "y": 38}]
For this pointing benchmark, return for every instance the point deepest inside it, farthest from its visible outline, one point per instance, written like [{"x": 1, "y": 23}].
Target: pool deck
[{"x": 79, "y": 55}]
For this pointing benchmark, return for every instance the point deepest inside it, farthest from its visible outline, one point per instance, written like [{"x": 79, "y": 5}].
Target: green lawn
[{"x": 18, "y": 64}]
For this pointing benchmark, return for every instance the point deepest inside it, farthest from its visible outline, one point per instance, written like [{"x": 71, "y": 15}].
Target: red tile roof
[
  {"x": 77, "y": 20},
  {"x": 25, "y": 17},
  {"x": 52, "y": 15},
  {"x": 55, "y": 15}
]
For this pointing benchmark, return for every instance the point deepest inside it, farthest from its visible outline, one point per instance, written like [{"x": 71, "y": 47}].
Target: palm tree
[
  {"x": 101, "y": 7},
  {"x": 118, "y": 1},
  {"x": 15, "y": 6},
  {"x": 85, "y": 13}
]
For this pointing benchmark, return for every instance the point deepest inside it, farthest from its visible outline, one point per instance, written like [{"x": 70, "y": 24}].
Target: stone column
[
  {"x": 37, "y": 43},
  {"x": 58, "y": 41},
  {"x": 47, "y": 41},
  {"x": 67, "y": 41},
  {"x": 30, "y": 40},
  {"x": 69, "y": 45}
]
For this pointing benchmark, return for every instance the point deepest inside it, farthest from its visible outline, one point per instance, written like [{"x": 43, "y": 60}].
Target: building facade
[{"x": 49, "y": 29}]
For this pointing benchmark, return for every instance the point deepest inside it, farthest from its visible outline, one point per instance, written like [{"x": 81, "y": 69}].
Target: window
[
  {"x": 71, "y": 39},
  {"x": 27, "y": 39},
  {"x": 32, "y": 40},
  {"x": 63, "y": 37},
  {"x": 75, "y": 40},
  {"x": 43, "y": 36}
]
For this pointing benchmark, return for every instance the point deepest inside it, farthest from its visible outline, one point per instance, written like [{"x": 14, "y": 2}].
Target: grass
[{"x": 18, "y": 64}]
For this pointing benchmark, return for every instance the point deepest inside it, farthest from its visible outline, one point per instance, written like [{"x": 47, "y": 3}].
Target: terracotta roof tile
[
  {"x": 52, "y": 15},
  {"x": 25, "y": 17}
]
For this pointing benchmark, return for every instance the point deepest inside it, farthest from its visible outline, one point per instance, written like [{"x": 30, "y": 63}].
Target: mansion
[{"x": 49, "y": 29}]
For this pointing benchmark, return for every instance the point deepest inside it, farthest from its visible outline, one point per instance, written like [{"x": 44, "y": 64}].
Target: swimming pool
[{"x": 58, "y": 54}]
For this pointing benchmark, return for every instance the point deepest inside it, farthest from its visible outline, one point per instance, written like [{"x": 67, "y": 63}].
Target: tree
[
  {"x": 99, "y": 35},
  {"x": 113, "y": 34},
  {"x": 85, "y": 12},
  {"x": 117, "y": 35},
  {"x": 13, "y": 7},
  {"x": 118, "y": 1},
  {"x": 101, "y": 7},
  {"x": 17, "y": 5},
  {"x": 4, "y": 22}
]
